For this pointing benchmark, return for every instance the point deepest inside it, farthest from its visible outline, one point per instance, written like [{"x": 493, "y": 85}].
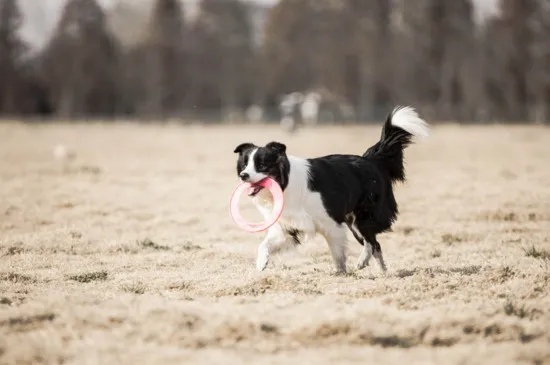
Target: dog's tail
[{"x": 401, "y": 125}]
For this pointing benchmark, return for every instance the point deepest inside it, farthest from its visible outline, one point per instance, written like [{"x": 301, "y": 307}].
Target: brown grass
[{"x": 127, "y": 254}]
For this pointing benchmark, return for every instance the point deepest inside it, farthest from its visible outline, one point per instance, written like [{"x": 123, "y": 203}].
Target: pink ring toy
[{"x": 278, "y": 205}]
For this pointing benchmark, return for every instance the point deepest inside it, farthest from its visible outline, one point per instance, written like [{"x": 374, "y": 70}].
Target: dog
[{"x": 326, "y": 195}]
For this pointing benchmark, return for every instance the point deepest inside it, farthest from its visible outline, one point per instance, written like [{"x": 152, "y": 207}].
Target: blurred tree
[
  {"x": 12, "y": 52},
  {"x": 166, "y": 67},
  {"x": 222, "y": 56},
  {"x": 515, "y": 24},
  {"x": 289, "y": 48},
  {"x": 509, "y": 46},
  {"x": 540, "y": 78},
  {"x": 437, "y": 38},
  {"x": 135, "y": 80},
  {"x": 312, "y": 44},
  {"x": 371, "y": 42},
  {"x": 493, "y": 47},
  {"x": 80, "y": 63}
]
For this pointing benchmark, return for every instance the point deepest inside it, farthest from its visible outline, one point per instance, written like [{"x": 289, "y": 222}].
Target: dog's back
[{"x": 351, "y": 184}]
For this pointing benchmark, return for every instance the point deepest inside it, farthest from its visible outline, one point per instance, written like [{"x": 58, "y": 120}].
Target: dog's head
[{"x": 255, "y": 163}]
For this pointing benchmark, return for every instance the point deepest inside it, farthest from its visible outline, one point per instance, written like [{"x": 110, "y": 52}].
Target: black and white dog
[{"x": 326, "y": 194}]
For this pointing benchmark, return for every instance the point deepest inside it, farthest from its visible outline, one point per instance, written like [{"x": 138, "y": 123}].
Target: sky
[{"x": 41, "y": 16}]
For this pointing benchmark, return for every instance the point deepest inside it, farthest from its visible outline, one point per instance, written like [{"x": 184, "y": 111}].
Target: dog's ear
[
  {"x": 243, "y": 147},
  {"x": 279, "y": 147}
]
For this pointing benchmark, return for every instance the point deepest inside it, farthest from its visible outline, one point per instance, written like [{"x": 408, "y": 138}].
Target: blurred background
[{"x": 319, "y": 61}]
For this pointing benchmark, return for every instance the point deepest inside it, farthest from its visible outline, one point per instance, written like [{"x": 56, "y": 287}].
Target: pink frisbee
[{"x": 278, "y": 204}]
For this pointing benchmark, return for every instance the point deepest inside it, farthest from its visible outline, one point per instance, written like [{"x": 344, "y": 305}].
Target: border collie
[{"x": 327, "y": 194}]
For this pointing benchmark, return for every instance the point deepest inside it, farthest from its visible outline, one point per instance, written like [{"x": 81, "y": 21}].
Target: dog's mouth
[{"x": 255, "y": 188}]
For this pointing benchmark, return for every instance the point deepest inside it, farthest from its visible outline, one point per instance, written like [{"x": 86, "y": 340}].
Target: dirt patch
[
  {"x": 272, "y": 284},
  {"x": 90, "y": 276},
  {"x": 27, "y": 323},
  {"x": 14, "y": 278}
]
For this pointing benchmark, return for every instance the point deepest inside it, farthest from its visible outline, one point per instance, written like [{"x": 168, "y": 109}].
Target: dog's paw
[
  {"x": 340, "y": 272},
  {"x": 361, "y": 264},
  {"x": 261, "y": 262}
]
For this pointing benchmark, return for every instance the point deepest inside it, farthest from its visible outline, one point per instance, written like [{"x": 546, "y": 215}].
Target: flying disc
[{"x": 278, "y": 204}]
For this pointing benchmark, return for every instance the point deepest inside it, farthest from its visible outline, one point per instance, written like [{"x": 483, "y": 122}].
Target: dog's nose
[{"x": 244, "y": 176}]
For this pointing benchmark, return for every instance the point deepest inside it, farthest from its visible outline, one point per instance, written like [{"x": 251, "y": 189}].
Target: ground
[{"x": 126, "y": 252}]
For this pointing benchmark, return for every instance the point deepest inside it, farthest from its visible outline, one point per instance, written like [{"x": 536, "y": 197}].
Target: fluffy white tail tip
[{"x": 406, "y": 118}]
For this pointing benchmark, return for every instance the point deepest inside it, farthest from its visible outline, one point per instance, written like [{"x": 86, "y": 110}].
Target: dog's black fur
[{"x": 363, "y": 185}]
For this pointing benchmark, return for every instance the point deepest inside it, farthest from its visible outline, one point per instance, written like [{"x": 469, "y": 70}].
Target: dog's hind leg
[
  {"x": 336, "y": 239},
  {"x": 366, "y": 254},
  {"x": 376, "y": 251},
  {"x": 371, "y": 247},
  {"x": 350, "y": 222},
  {"x": 364, "y": 258}
]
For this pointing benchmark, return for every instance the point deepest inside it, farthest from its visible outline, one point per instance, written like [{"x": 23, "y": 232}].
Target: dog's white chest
[
  {"x": 304, "y": 212},
  {"x": 303, "y": 208}
]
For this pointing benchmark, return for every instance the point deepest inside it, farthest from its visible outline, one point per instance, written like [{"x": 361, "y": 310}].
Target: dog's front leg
[{"x": 274, "y": 240}]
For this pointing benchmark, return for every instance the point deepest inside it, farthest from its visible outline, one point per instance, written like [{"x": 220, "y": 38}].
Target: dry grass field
[{"x": 126, "y": 254}]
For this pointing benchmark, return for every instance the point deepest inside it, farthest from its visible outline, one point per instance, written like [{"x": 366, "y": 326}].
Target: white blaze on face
[{"x": 250, "y": 169}]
